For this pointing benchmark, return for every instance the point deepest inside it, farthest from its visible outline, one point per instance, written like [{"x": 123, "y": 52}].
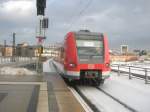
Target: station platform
[
  {"x": 59, "y": 94},
  {"x": 38, "y": 93}
]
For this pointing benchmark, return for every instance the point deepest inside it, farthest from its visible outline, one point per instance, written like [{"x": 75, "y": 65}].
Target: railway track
[
  {"x": 83, "y": 101},
  {"x": 117, "y": 100},
  {"x": 100, "y": 101}
]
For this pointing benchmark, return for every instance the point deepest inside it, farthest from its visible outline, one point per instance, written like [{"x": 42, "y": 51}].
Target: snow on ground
[
  {"x": 60, "y": 67},
  {"x": 133, "y": 92},
  {"x": 48, "y": 66},
  {"x": 103, "y": 102},
  {"x": 16, "y": 71}
]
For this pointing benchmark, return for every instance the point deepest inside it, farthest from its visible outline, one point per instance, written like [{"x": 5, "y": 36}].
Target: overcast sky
[{"x": 124, "y": 21}]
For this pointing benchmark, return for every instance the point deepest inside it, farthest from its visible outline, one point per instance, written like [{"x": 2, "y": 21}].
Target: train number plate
[{"x": 91, "y": 66}]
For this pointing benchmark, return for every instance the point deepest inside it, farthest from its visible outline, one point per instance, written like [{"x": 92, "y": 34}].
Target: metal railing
[
  {"x": 135, "y": 71},
  {"x": 6, "y": 60}
]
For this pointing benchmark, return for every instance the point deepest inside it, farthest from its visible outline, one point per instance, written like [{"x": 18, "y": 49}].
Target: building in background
[
  {"x": 6, "y": 51},
  {"x": 25, "y": 50},
  {"x": 124, "y": 55},
  {"x": 123, "y": 58},
  {"x": 124, "y": 49},
  {"x": 136, "y": 52},
  {"x": 1, "y": 50},
  {"x": 52, "y": 50}
]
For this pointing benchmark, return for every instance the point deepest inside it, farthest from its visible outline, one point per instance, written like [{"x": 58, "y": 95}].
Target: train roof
[
  {"x": 87, "y": 35},
  {"x": 87, "y": 32}
]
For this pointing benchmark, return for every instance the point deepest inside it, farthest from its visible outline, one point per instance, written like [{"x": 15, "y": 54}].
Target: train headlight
[
  {"x": 107, "y": 65},
  {"x": 72, "y": 65}
]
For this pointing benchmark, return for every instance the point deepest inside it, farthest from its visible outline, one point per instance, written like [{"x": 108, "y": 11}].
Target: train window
[{"x": 90, "y": 49}]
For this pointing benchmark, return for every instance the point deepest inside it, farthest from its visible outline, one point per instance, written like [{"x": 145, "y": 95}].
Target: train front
[{"x": 88, "y": 56}]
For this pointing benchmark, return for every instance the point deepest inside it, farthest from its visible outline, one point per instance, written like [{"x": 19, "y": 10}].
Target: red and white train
[{"x": 86, "y": 56}]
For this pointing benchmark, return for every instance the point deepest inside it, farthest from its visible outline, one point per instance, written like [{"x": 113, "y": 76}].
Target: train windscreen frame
[{"x": 90, "y": 48}]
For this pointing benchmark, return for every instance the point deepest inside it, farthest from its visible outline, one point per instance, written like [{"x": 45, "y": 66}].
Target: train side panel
[
  {"x": 71, "y": 59},
  {"x": 106, "y": 68}
]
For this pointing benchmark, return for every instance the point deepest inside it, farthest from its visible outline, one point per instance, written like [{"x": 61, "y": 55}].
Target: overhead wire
[
  {"x": 74, "y": 18},
  {"x": 73, "y": 14},
  {"x": 82, "y": 11}
]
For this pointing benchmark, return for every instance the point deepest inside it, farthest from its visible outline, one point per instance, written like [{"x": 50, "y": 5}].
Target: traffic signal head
[{"x": 41, "y": 5}]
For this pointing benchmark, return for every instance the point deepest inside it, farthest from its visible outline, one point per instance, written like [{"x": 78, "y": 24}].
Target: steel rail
[
  {"x": 90, "y": 104},
  {"x": 117, "y": 100}
]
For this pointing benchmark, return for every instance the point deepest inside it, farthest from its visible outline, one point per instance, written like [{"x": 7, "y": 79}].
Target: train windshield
[{"x": 90, "y": 49}]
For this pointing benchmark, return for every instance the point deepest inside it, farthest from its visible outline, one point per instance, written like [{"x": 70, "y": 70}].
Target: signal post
[{"x": 42, "y": 25}]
